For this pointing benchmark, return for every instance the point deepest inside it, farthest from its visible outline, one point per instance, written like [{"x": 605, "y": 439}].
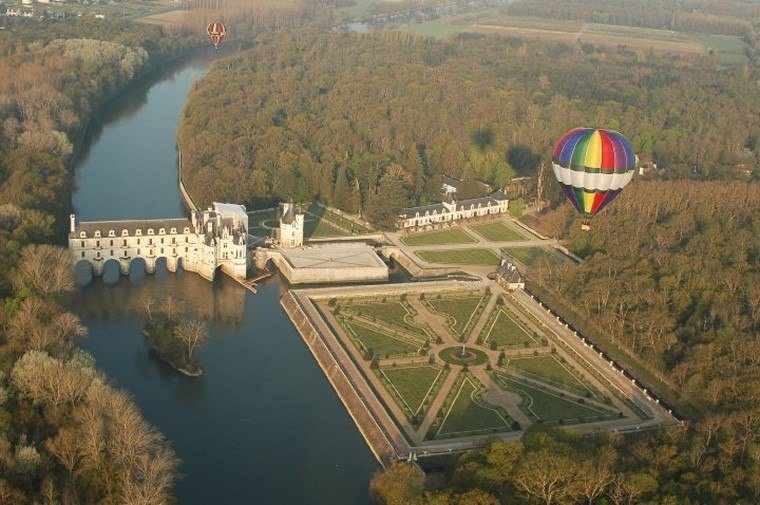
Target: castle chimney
[{"x": 73, "y": 221}]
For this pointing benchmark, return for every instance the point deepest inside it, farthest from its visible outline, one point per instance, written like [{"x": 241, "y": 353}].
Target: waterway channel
[{"x": 263, "y": 425}]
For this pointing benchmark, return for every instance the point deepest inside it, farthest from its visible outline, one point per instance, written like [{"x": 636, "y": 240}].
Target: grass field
[
  {"x": 497, "y": 232},
  {"x": 257, "y": 216},
  {"x": 438, "y": 237},
  {"x": 321, "y": 229},
  {"x": 411, "y": 385},
  {"x": 529, "y": 255},
  {"x": 366, "y": 339},
  {"x": 394, "y": 313},
  {"x": 549, "y": 407},
  {"x": 460, "y": 257},
  {"x": 549, "y": 369},
  {"x": 339, "y": 221},
  {"x": 507, "y": 332},
  {"x": 469, "y": 414},
  {"x": 460, "y": 311}
]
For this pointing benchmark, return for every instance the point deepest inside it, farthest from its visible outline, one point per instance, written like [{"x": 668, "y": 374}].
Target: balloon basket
[{"x": 585, "y": 226}]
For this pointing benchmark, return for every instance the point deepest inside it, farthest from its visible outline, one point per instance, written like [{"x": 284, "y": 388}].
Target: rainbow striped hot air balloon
[{"x": 593, "y": 166}]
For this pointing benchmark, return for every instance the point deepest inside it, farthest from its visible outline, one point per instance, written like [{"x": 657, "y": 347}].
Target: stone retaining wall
[{"x": 378, "y": 442}]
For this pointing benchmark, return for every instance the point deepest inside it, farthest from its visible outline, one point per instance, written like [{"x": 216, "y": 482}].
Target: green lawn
[
  {"x": 412, "y": 384},
  {"x": 461, "y": 312},
  {"x": 256, "y": 216},
  {"x": 321, "y": 229},
  {"x": 549, "y": 369},
  {"x": 394, "y": 313},
  {"x": 381, "y": 344},
  {"x": 507, "y": 332},
  {"x": 469, "y": 414},
  {"x": 550, "y": 407},
  {"x": 438, "y": 237},
  {"x": 460, "y": 257},
  {"x": 339, "y": 221},
  {"x": 497, "y": 232},
  {"x": 529, "y": 255}
]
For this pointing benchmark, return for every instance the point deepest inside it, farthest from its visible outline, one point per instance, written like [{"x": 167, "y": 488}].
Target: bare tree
[
  {"x": 192, "y": 334},
  {"x": 45, "y": 269}
]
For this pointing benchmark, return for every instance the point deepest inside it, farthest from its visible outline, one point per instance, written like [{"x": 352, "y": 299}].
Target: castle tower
[{"x": 291, "y": 226}]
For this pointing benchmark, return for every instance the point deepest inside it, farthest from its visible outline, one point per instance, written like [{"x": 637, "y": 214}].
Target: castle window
[
  {"x": 150, "y": 231},
  {"x": 124, "y": 233},
  {"x": 82, "y": 234},
  {"x": 138, "y": 232},
  {"x": 162, "y": 231},
  {"x": 174, "y": 230},
  {"x": 82, "y": 243},
  {"x": 125, "y": 242},
  {"x": 97, "y": 233},
  {"x": 83, "y": 254}
]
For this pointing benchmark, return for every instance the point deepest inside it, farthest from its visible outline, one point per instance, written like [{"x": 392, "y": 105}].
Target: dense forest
[
  {"x": 66, "y": 436},
  {"x": 723, "y": 17},
  {"x": 317, "y": 115}
]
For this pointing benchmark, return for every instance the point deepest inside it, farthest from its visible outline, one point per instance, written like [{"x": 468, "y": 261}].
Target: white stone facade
[
  {"x": 445, "y": 212},
  {"x": 211, "y": 239},
  {"x": 291, "y": 226}
]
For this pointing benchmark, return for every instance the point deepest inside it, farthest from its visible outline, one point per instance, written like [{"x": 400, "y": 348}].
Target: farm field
[
  {"x": 411, "y": 385},
  {"x": 438, "y": 237},
  {"x": 548, "y": 406},
  {"x": 460, "y": 257},
  {"x": 381, "y": 344},
  {"x": 730, "y": 49},
  {"x": 497, "y": 232},
  {"x": 505, "y": 331},
  {"x": 469, "y": 414}
]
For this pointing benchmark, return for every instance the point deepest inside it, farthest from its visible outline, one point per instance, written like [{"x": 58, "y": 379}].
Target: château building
[
  {"x": 450, "y": 210},
  {"x": 210, "y": 239}
]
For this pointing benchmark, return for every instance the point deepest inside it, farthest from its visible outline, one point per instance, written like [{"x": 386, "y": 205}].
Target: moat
[{"x": 262, "y": 425}]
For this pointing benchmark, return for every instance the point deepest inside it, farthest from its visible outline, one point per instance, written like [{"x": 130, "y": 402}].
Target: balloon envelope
[
  {"x": 216, "y": 32},
  {"x": 593, "y": 166}
]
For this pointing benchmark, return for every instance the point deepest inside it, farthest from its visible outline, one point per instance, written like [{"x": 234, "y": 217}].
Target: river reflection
[{"x": 262, "y": 425}]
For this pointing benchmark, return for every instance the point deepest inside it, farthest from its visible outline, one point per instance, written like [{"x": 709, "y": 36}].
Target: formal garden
[{"x": 461, "y": 364}]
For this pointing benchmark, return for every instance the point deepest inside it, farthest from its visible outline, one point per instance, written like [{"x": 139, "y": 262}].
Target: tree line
[
  {"x": 330, "y": 116},
  {"x": 66, "y": 435}
]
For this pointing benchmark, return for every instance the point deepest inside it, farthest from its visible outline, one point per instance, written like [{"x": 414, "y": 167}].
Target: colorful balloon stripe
[
  {"x": 588, "y": 203},
  {"x": 591, "y": 148}
]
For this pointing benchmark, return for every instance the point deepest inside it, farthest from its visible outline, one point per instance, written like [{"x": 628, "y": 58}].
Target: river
[{"x": 263, "y": 425}]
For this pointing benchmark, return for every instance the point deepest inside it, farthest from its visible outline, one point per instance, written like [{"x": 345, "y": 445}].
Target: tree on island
[{"x": 192, "y": 334}]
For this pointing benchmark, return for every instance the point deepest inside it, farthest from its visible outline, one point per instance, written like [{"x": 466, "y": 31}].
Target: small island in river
[{"x": 174, "y": 340}]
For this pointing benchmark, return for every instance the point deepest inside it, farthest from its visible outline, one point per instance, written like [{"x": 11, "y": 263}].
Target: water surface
[{"x": 263, "y": 425}]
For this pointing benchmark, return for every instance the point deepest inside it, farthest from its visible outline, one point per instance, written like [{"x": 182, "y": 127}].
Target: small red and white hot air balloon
[{"x": 216, "y": 32}]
